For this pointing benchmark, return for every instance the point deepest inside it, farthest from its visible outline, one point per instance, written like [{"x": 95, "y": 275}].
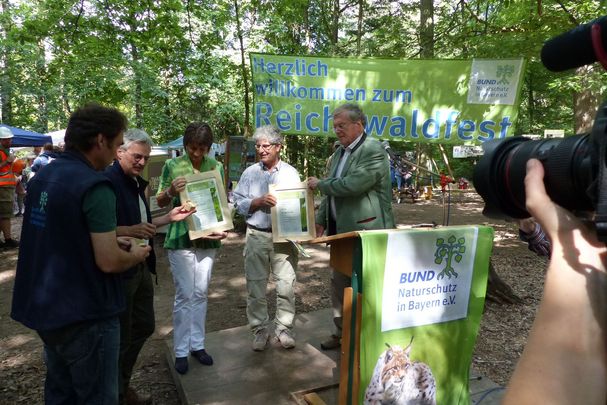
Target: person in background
[
  {"x": 444, "y": 181},
  {"x": 8, "y": 183},
  {"x": 68, "y": 286},
  {"x": 134, "y": 219},
  {"x": 565, "y": 358},
  {"x": 43, "y": 159},
  {"x": 398, "y": 173},
  {"x": 357, "y": 194},
  {"x": 27, "y": 171},
  {"x": 262, "y": 256},
  {"x": 408, "y": 176},
  {"x": 18, "y": 167},
  {"x": 191, "y": 261}
]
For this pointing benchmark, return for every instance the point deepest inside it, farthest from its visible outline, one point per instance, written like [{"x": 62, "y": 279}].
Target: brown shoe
[
  {"x": 132, "y": 398},
  {"x": 331, "y": 343}
]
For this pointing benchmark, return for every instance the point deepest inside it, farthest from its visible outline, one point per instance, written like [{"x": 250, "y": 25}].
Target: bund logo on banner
[{"x": 431, "y": 286}]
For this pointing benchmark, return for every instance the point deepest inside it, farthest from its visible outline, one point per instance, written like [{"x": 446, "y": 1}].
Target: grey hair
[
  {"x": 269, "y": 132},
  {"x": 136, "y": 135},
  {"x": 355, "y": 113}
]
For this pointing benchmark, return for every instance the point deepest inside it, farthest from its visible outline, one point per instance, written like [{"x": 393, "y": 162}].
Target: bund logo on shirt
[{"x": 38, "y": 214}]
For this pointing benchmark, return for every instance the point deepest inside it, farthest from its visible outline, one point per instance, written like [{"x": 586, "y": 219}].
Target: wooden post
[
  {"x": 446, "y": 160},
  {"x": 345, "y": 347}
]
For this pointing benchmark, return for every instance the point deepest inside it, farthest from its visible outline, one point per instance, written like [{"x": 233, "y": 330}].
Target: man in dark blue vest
[
  {"x": 68, "y": 286},
  {"x": 134, "y": 219}
]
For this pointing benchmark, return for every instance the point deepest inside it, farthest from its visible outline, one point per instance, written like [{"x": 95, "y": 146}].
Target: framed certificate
[
  {"x": 206, "y": 192},
  {"x": 293, "y": 215}
]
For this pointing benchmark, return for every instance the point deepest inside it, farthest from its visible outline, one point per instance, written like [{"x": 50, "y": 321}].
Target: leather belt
[{"x": 259, "y": 229}]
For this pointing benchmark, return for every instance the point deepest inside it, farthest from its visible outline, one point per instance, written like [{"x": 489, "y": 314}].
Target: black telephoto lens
[{"x": 499, "y": 176}]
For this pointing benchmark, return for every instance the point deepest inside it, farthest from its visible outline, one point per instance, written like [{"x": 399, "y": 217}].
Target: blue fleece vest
[
  {"x": 128, "y": 192},
  {"x": 57, "y": 281}
]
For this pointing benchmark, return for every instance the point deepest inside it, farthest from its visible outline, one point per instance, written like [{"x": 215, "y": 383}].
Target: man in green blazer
[{"x": 357, "y": 194}]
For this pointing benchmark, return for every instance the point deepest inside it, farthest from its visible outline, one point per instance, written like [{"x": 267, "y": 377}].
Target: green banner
[
  {"x": 423, "y": 298},
  {"x": 440, "y": 101}
]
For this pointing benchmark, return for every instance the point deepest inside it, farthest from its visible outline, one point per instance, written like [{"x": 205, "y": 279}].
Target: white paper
[
  {"x": 289, "y": 216},
  {"x": 205, "y": 216}
]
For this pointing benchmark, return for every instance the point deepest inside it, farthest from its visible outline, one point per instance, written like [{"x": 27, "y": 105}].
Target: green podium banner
[
  {"x": 422, "y": 302},
  {"x": 431, "y": 101}
]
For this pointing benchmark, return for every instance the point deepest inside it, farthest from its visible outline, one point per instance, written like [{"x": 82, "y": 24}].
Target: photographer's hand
[{"x": 565, "y": 360}]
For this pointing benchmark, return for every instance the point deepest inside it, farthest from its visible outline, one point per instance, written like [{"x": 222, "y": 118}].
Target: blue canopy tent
[
  {"x": 174, "y": 144},
  {"x": 23, "y": 137}
]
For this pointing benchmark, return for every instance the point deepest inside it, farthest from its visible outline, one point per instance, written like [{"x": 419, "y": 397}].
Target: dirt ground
[{"x": 503, "y": 333}]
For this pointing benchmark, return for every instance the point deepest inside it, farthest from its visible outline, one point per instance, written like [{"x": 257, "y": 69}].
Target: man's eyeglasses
[
  {"x": 343, "y": 125},
  {"x": 138, "y": 157},
  {"x": 266, "y": 147}
]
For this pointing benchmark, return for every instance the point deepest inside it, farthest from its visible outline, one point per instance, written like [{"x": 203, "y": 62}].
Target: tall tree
[
  {"x": 426, "y": 35},
  {"x": 6, "y": 87},
  {"x": 243, "y": 66}
]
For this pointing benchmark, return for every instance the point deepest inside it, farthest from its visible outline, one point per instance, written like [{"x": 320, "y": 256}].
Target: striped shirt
[{"x": 177, "y": 236}]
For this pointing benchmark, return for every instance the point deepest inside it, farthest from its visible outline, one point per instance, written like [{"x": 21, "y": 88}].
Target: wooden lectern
[{"x": 346, "y": 257}]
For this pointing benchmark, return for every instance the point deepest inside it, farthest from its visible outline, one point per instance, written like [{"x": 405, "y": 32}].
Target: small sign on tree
[{"x": 554, "y": 133}]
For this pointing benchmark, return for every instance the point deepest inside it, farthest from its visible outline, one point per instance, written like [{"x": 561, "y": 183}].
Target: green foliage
[{"x": 171, "y": 62}]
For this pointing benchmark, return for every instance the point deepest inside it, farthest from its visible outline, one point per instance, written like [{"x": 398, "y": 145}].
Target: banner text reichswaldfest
[{"x": 451, "y": 101}]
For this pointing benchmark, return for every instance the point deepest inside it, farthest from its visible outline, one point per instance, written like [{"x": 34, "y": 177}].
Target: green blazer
[{"x": 363, "y": 193}]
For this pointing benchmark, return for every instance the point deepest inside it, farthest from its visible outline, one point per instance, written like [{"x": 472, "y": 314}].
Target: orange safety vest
[{"x": 7, "y": 177}]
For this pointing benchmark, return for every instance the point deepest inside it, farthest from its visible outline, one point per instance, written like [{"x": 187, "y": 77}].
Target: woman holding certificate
[{"x": 191, "y": 261}]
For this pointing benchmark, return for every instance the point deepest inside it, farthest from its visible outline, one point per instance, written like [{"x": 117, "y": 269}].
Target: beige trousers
[{"x": 263, "y": 258}]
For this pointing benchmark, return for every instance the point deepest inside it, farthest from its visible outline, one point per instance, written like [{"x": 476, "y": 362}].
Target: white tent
[{"x": 57, "y": 136}]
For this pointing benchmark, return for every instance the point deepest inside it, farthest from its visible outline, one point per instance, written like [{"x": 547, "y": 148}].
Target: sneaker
[
  {"x": 260, "y": 340},
  {"x": 285, "y": 337},
  {"x": 331, "y": 343},
  {"x": 181, "y": 365},
  {"x": 10, "y": 244},
  {"x": 203, "y": 357}
]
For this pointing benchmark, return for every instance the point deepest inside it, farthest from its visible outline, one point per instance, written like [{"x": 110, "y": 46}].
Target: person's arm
[
  {"x": 169, "y": 188},
  {"x": 111, "y": 258},
  {"x": 320, "y": 230},
  {"x": 175, "y": 215},
  {"x": 143, "y": 230},
  {"x": 36, "y": 165},
  {"x": 565, "y": 359},
  {"x": 265, "y": 201},
  {"x": 242, "y": 198},
  {"x": 360, "y": 177},
  {"x": 166, "y": 195},
  {"x": 99, "y": 207}
]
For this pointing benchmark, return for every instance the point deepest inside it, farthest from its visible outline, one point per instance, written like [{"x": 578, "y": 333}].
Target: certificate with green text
[
  {"x": 293, "y": 215},
  {"x": 205, "y": 191}
]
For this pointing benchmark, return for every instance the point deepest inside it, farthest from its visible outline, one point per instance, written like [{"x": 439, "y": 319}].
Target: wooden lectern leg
[
  {"x": 345, "y": 346},
  {"x": 356, "y": 367}
]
